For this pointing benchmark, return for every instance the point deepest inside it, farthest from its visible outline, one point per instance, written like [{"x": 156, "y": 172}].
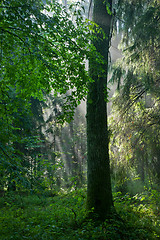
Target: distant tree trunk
[
  {"x": 99, "y": 194},
  {"x": 157, "y": 165},
  {"x": 76, "y": 172},
  {"x": 140, "y": 154},
  {"x": 11, "y": 185},
  {"x": 141, "y": 170}
]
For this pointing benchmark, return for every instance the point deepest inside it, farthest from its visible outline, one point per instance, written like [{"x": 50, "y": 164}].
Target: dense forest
[{"x": 79, "y": 119}]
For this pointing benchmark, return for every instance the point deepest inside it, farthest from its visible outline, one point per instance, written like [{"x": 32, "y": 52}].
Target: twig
[{"x": 16, "y": 36}]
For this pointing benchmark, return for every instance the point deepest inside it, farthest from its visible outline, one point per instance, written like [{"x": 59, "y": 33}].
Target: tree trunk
[{"x": 99, "y": 194}]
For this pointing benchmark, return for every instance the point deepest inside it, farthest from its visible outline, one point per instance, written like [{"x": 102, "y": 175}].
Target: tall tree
[
  {"x": 138, "y": 77},
  {"x": 99, "y": 194},
  {"x": 41, "y": 50}
]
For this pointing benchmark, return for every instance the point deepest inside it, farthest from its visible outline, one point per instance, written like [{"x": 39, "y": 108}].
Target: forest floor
[{"x": 62, "y": 217}]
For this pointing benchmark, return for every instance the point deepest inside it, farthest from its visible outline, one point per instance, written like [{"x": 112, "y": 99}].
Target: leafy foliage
[
  {"x": 43, "y": 49},
  {"x": 63, "y": 217}
]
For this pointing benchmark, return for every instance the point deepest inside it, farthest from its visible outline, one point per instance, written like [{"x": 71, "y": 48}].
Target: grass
[{"x": 62, "y": 217}]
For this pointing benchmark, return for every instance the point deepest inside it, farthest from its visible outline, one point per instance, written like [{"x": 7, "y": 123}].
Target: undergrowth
[{"x": 63, "y": 217}]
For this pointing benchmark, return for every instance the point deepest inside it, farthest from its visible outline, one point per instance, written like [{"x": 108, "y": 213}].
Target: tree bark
[{"x": 99, "y": 194}]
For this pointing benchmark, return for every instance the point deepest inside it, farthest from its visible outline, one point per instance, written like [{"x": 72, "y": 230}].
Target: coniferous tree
[{"x": 137, "y": 75}]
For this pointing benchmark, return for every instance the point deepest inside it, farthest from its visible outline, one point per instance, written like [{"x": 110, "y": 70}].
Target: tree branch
[{"x": 11, "y": 33}]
